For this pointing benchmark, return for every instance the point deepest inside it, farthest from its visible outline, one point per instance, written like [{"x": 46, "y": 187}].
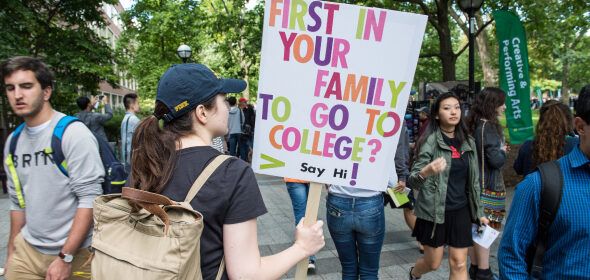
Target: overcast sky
[{"x": 126, "y": 3}]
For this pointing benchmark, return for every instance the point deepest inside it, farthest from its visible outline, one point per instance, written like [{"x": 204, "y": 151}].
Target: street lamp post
[
  {"x": 470, "y": 7},
  {"x": 184, "y": 52}
]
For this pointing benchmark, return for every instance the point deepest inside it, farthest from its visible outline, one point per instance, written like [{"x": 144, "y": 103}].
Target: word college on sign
[{"x": 328, "y": 97}]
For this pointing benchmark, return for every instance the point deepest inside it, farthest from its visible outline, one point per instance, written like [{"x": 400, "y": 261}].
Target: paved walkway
[{"x": 275, "y": 233}]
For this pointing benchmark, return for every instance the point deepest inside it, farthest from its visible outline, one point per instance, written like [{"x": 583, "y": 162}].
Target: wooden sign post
[{"x": 311, "y": 216}]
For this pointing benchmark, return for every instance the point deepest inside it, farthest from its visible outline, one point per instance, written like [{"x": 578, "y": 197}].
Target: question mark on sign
[{"x": 377, "y": 147}]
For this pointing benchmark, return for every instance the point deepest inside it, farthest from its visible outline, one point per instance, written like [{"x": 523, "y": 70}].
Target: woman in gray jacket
[{"x": 485, "y": 127}]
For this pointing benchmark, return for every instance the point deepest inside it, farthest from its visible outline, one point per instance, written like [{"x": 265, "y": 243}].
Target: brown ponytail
[{"x": 154, "y": 148}]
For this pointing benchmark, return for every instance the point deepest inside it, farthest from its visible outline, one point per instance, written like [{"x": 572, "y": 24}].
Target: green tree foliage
[
  {"x": 234, "y": 47},
  {"x": 559, "y": 32},
  {"x": 154, "y": 30},
  {"x": 223, "y": 34},
  {"x": 62, "y": 33}
]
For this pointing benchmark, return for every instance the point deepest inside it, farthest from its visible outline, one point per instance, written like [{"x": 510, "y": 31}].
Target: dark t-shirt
[
  {"x": 230, "y": 196},
  {"x": 456, "y": 187}
]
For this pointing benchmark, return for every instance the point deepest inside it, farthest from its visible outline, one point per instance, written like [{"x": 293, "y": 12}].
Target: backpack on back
[
  {"x": 551, "y": 192},
  {"x": 159, "y": 241},
  {"x": 115, "y": 173}
]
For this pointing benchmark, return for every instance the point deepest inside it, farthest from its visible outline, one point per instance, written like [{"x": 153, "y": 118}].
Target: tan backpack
[{"x": 160, "y": 241}]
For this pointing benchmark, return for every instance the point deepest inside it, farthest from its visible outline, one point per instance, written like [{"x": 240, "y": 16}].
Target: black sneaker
[
  {"x": 486, "y": 275},
  {"x": 472, "y": 272},
  {"x": 311, "y": 267},
  {"x": 412, "y": 277}
]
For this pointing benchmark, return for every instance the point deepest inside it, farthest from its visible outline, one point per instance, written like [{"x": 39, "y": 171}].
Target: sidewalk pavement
[{"x": 276, "y": 232}]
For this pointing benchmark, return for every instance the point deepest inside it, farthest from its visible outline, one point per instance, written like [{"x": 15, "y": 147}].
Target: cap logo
[{"x": 181, "y": 106}]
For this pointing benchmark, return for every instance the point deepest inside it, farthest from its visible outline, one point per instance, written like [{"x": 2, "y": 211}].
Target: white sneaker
[{"x": 311, "y": 266}]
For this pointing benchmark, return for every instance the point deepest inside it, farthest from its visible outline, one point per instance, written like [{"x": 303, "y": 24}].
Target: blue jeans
[
  {"x": 298, "y": 193},
  {"x": 236, "y": 144},
  {"x": 357, "y": 227}
]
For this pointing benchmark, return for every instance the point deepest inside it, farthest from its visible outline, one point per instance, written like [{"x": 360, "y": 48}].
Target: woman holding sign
[
  {"x": 492, "y": 151},
  {"x": 168, "y": 158},
  {"x": 446, "y": 173}
]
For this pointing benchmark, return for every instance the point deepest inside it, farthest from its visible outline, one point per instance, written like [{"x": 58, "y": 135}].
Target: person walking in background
[
  {"x": 449, "y": 199},
  {"x": 94, "y": 121},
  {"x": 568, "y": 238},
  {"x": 402, "y": 169},
  {"x": 423, "y": 118},
  {"x": 219, "y": 144},
  {"x": 50, "y": 213},
  {"x": 235, "y": 124},
  {"x": 230, "y": 201},
  {"x": 128, "y": 125},
  {"x": 554, "y": 137},
  {"x": 249, "y": 124},
  {"x": 298, "y": 192},
  {"x": 356, "y": 221},
  {"x": 484, "y": 125}
]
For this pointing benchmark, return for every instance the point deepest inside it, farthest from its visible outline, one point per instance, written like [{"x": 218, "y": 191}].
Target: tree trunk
[
  {"x": 565, "y": 95},
  {"x": 490, "y": 76},
  {"x": 447, "y": 55}
]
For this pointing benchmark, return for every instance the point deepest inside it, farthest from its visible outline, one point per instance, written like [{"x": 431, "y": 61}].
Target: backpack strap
[
  {"x": 204, "y": 176},
  {"x": 12, "y": 168},
  {"x": 221, "y": 269},
  {"x": 483, "y": 157},
  {"x": 551, "y": 192},
  {"x": 56, "y": 148},
  {"x": 198, "y": 184},
  {"x": 150, "y": 202}
]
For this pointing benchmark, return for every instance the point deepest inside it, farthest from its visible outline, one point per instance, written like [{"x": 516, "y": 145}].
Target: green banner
[{"x": 514, "y": 75}]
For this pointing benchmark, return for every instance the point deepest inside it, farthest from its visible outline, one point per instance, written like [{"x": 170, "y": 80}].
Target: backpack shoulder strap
[
  {"x": 551, "y": 192},
  {"x": 204, "y": 176},
  {"x": 14, "y": 139},
  {"x": 221, "y": 269},
  {"x": 12, "y": 168},
  {"x": 56, "y": 139}
]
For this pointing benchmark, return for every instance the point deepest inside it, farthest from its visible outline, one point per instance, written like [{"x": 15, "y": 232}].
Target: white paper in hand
[{"x": 486, "y": 238}]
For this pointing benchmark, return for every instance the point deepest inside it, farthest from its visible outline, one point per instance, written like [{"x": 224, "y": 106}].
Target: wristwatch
[{"x": 67, "y": 258}]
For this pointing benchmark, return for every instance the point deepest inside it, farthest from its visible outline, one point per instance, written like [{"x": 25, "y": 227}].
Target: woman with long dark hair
[
  {"x": 168, "y": 157},
  {"x": 484, "y": 125},
  {"x": 554, "y": 137},
  {"x": 445, "y": 172}
]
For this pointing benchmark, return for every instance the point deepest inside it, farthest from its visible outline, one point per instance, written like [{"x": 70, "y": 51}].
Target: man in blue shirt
[{"x": 568, "y": 250}]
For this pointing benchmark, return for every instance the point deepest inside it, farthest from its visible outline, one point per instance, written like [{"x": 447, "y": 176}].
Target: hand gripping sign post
[{"x": 334, "y": 84}]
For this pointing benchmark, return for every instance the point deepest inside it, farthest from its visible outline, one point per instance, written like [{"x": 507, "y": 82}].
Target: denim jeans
[
  {"x": 235, "y": 141},
  {"x": 357, "y": 227},
  {"x": 298, "y": 193}
]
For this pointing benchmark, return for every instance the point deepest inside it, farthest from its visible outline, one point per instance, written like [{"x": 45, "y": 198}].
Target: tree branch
[
  {"x": 225, "y": 7},
  {"x": 431, "y": 17},
  {"x": 459, "y": 20},
  {"x": 429, "y": 55},
  {"x": 476, "y": 34},
  {"x": 579, "y": 38}
]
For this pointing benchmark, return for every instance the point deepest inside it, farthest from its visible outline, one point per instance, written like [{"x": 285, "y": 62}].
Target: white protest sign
[{"x": 333, "y": 89}]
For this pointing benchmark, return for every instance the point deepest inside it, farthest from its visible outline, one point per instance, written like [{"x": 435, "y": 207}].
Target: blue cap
[{"x": 184, "y": 86}]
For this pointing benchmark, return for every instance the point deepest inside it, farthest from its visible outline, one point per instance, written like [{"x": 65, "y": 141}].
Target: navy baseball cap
[{"x": 184, "y": 86}]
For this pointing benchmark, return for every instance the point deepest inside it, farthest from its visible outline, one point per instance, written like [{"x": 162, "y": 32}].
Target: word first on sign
[{"x": 333, "y": 89}]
